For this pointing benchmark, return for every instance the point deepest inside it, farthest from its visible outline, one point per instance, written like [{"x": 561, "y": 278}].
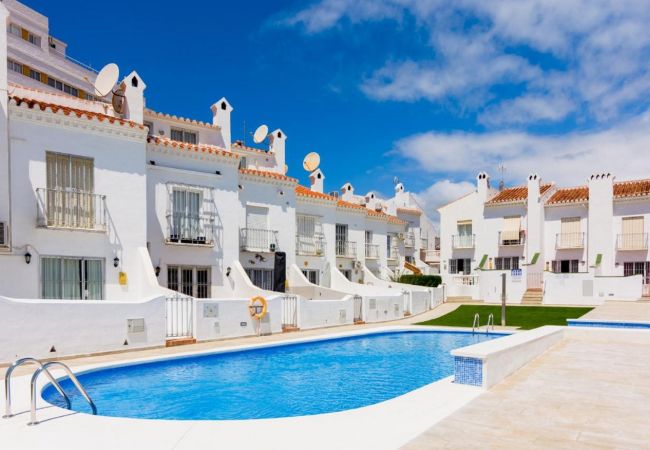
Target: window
[
  {"x": 460, "y": 266},
  {"x": 341, "y": 235},
  {"x": 511, "y": 230},
  {"x": 70, "y": 90},
  {"x": 65, "y": 278},
  {"x": 565, "y": 266},
  {"x": 14, "y": 66},
  {"x": 309, "y": 238},
  {"x": 183, "y": 136},
  {"x": 69, "y": 195},
  {"x": 33, "y": 39},
  {"x": 188, "y": 280},
  {"x": 262, "y": 278},
  {"x": 34, "y": 74},
  {"x": 15, "y": 30},
  {"x": 465, "y": 236},
  {"x": 347, "y": 273},
  {"x": 186, "y": 217},
  {"x": 311, "y": 275},
  {"x": 368, "y": 237},
  {"x": 506, "y": 263},
  {"x": 409, "y": 259}
]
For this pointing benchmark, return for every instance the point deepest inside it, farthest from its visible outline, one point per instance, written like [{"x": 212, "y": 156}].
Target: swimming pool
[{"x": 282, "y": 381}]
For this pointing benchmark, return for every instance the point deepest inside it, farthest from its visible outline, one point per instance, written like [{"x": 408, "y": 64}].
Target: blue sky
[{"x": 429, "y": 91}]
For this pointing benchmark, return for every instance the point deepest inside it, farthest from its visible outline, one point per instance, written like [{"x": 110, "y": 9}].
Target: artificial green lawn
[{"x": 524, "y": 317}]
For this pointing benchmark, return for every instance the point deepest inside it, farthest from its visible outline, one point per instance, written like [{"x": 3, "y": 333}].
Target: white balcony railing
[
  {"x": 632, "y": 241},
  {"x": 258, "y": 240},
  {"x": 569, "y": 240},
  {"x": 465, "y": 280},
  {"x": 310, "y": 245},
  {"x": 393, "y": 253},
  {"x": 190, "y": 229},
  {"x": 463, "y": 241},
  {"x": 409, "y": 239},
  {"x": 372, "y": 251},
  {"x": 512, "y": 238},
  {"x": 346, "y": 249},
  {"x": 432, "y": 256},
  {"x": 73, "y": 209}
]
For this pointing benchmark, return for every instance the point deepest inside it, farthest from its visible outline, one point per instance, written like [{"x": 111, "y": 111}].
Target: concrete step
[
  {"x": 460, "y": 299},
  {"x": 532, "y": 297},
  {"x": 289, "y": 329},
  {"x": 180, "y": 341}
]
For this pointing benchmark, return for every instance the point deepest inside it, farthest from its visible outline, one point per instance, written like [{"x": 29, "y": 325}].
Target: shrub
[{"x": 421, "y": 280}]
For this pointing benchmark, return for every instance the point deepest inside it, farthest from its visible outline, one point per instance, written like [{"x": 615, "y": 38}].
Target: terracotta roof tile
[
  {"x": 199, "y": 148},
  {"x": 166, "y": 116},
  {"x": 569, "y": 195},
  {"x": 633, "y": 188},
  {"x": 344, "y": 204},
  {"x": 240, "y": 146},
  {"x": 515, "y": 194},
  {"x": 267, "y": 174},
  {"x": 90, "y": 115},
  {"x": 306, "y": 192},
  {"x": 410, "y": 211}
]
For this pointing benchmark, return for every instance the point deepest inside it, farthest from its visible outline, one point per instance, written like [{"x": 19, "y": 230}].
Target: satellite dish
[
  {"x": 311, "y": 162},
  {"x": 260, "y": 134},
  {"x": 118, "y": 101},
  {"x": 106, "y": 79}
]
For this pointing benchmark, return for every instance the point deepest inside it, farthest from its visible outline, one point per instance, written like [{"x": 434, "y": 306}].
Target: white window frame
[{"x": 82, "y": 279}]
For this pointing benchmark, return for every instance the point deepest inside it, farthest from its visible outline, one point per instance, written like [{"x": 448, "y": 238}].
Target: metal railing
[
  {"x": 466, "y": 280},
  {"x": 189, "y": 229},
  {"x": 258, "y": 240},
  {"x": 393, "y": 253},
  {"x": 463, "y": 240},
  {"x": 59, "y": 208},
  {"x": 358, "y": 308},
  {"x": 346, "y": 249},
  {"x": 512, "y": 238},
  {"x": 372, "y": 251},
  {"x": 289, "y": 312},
  {"x": 409, "y": 239},
  {"x": 310, "y": 245},
  {"x": 14, "y": 366},
  {"x": 632, "y": 241},
  {"x": 72, "y": 377},
  {"x": 489, "y": 322},
  {"x": 179, "y": 316},
  {"x": 569, "y": 240}
]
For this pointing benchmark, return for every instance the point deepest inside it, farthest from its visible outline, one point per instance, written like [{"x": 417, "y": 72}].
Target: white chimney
[
  {"x": 134, "y": 97},
  {"x": 371, "y": 201},
  {"x": 221, "y": 117},
  {"x": 601, "y": 222},
  {"x": 534, "y": 218},
  {"x": 277, "y": 141},
  {"x": 347, "y": 192},
  {"x": 317, "y": 181},
  {"x": 401, "y": 197},
  {"x": 483, "y": 186}
]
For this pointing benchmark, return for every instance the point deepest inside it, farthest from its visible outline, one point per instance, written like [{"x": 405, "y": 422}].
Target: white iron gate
[
  {"x": 180, "y": 316},
  {"x": 358, "y": 308},
  {"x": 289, "y": 311}
]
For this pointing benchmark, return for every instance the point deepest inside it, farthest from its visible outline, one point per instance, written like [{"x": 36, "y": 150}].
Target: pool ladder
[
  {"x": 476, "y": 324},
  {"x": 43, "y": 368}
]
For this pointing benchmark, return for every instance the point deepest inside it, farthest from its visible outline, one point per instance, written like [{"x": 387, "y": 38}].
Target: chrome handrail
[
  {"x": 490, "y": 320},
  {"x": 16, "y": 364},
  {"x": 476, "y": 323},
  {"x": 72, "y": 377}
]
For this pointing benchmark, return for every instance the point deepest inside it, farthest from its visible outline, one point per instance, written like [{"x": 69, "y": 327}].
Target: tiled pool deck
[{"x": 592, "y": 390}]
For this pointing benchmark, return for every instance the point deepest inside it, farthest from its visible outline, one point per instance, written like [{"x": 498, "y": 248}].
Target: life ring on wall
[{"x": 253, "y": 307}]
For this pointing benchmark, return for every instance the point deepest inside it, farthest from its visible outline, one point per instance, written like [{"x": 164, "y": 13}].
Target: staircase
[
  {"x": 460, "y": 299},
  {"x": 532, "y": 297}
]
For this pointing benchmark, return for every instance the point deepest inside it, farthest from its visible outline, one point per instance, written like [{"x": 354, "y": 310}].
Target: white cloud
[
  {"x": 568, "y": 159},
  {"x": 594, "y": 55},
  {"x": 442, "y": 192}
]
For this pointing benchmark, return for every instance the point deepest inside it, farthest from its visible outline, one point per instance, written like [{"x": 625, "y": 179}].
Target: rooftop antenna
[
  {"x": 311, "y": 162},
  {"x": 244, "y": 132},
  {"x": 502, "y": 170}
]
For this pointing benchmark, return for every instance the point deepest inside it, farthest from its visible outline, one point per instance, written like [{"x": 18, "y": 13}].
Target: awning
[{"x": 511, "y": 228}]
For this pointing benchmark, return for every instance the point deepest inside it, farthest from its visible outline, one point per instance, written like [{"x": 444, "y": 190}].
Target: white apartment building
[
  {"x": 580, "y": 245},
  {"x": 164, "y": 226}
]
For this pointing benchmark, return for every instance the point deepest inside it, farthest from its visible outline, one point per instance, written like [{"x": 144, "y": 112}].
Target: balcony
[
  {"x": 632, "y": 241},
  {"x": 310, "y": 245},
  {"x": 372, "y": 251},
  {"x": 409, "y": 240},
  {"x": 432, "y": 256},
  {"x": 512, "y": 238},
  {"x": 71, "y": 209},
  {"x": 566, "y": 241},
  {"x": 393, "y": 253},
  {"x": 460, "y": 241},
  {"x": 187, "y": 229},
  {"x": 258, "y": 240},
  {"x": 346, "y": 249}
]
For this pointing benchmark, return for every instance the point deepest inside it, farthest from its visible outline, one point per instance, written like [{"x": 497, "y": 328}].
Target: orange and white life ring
[{"x": 253, "y": 307}]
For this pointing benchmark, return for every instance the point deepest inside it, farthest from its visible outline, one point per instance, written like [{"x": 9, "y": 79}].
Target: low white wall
[
  {"x": 74, "y": 327},
  {"x": 379, "y": 304},
  {"x": 418, "y": 300},
  {"x": 502, "y": 357},
  {"x": 229, "y": 318},
  {"x": 585, "y": 289},
  {"x": 490, "y": 286},
  {"x": 455, "y": 289},
  {"x": 324, "y": 313}
]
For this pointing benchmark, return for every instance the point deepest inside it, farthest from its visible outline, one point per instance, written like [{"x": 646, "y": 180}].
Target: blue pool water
[{"x": 291, "y": 380}]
